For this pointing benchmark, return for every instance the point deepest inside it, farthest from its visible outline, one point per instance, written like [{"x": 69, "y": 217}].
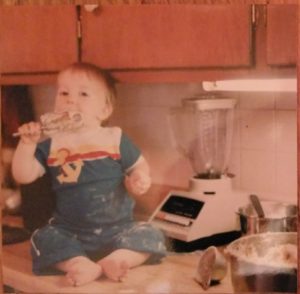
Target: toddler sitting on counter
[{"x": 93, "y": 169}]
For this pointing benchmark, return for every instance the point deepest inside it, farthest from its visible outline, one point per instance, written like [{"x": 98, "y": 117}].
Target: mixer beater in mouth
[{"x": 55, "y": 122}]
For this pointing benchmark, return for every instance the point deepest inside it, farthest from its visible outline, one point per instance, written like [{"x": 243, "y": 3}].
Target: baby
[{"x": 92, "y": 231}]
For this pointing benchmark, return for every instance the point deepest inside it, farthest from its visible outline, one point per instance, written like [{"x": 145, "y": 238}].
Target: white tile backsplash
[
  {"x": 258, "y": 170},
  {"x": 286, "y": 101},
  {"x": 169, "y": 167},
  {"x": 264, "y": 149},
  {"x": 257, "y": 129},
  {"x": 286, "y": 176},
  {"x": 264, "y": 143},
  {"x": 261, "y": 101},
  {"x": 147, "y": 124},
  {"x": 286, "y": 130}
]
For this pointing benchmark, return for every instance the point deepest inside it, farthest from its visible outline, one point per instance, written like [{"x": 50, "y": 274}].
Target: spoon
[{"x": 257, "y": 205}]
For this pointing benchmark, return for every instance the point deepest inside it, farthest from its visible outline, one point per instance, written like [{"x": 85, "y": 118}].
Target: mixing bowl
[
  {"x": 279, "y": 217},
  {"x": 265, "y": 262}
]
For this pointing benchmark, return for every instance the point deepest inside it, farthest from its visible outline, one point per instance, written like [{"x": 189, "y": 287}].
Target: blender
[{"x": 202, "y": 129}]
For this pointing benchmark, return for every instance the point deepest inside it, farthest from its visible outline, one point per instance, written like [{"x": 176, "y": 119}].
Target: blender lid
[{"x": 209, "y": 104}]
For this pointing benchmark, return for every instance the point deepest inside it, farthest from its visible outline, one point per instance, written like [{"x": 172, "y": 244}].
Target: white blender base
[{"x": 214, "y": 210}]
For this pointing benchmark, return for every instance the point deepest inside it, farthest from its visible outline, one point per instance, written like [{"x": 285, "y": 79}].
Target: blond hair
[{"x": 99, "y": 74}]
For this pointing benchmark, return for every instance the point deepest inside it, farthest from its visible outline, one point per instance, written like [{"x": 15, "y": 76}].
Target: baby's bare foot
[
  {"x": 113, "y": 269},
  {"x": 83, "y": 271}
]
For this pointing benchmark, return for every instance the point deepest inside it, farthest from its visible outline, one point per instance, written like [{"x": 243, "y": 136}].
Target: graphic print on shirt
[
  {"x": 70, "y": 171},
  {"x": 71, "y": 161}
]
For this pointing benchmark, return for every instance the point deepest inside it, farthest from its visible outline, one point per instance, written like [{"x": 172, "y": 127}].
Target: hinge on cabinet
[
  {"x": 253, "y": 15},
  {"x": 78, "y": 24},
  {"x": 79, "y": 35},
  {"x": 79, "y": 32}
]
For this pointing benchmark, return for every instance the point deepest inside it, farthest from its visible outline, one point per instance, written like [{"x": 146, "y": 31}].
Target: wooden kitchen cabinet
[
  {"x": 167, "y": 36},
  {"x": 145, "y": 43},
  {"x": 282, "y": 34},
  {"x": 37, "y": 38}
]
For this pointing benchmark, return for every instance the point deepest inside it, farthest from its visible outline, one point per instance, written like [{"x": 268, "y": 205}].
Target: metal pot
[
  {"x": 279, "y": 217},
  {"x": 264, "y": 263}
]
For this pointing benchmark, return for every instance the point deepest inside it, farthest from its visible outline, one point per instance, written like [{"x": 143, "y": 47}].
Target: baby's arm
[
  {"x": 25, "y": 167},
  {"x": 138, "y": 179}
]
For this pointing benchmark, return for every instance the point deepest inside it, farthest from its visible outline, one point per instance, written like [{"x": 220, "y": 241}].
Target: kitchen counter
[{"x": 175, "y": 274}]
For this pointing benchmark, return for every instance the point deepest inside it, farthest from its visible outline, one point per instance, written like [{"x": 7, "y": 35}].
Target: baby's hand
[
  {"x": 138, "y": 182},
  {"x": 30, "y": 133}
]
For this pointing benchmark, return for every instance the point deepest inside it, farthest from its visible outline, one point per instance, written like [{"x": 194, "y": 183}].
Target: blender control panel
[
  {"x": 182, "y": 206},
  {"x": 179, "y": 210}
]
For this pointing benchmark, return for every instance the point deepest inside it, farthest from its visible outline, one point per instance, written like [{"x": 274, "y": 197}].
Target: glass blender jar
[{"x": 203, "y": 130}]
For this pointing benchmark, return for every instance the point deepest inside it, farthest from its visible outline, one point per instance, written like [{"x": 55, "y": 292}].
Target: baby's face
[{"x": 78, "y": 92}]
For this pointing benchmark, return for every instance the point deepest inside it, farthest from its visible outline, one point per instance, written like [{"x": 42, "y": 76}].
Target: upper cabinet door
[
  {"x": 167, "y": 36},
  {"x": 37, "y": 38},
  {"x": 282, "y": 34}
]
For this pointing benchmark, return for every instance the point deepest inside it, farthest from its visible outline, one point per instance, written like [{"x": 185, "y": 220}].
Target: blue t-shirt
[{"x": 87, "y": 172}]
